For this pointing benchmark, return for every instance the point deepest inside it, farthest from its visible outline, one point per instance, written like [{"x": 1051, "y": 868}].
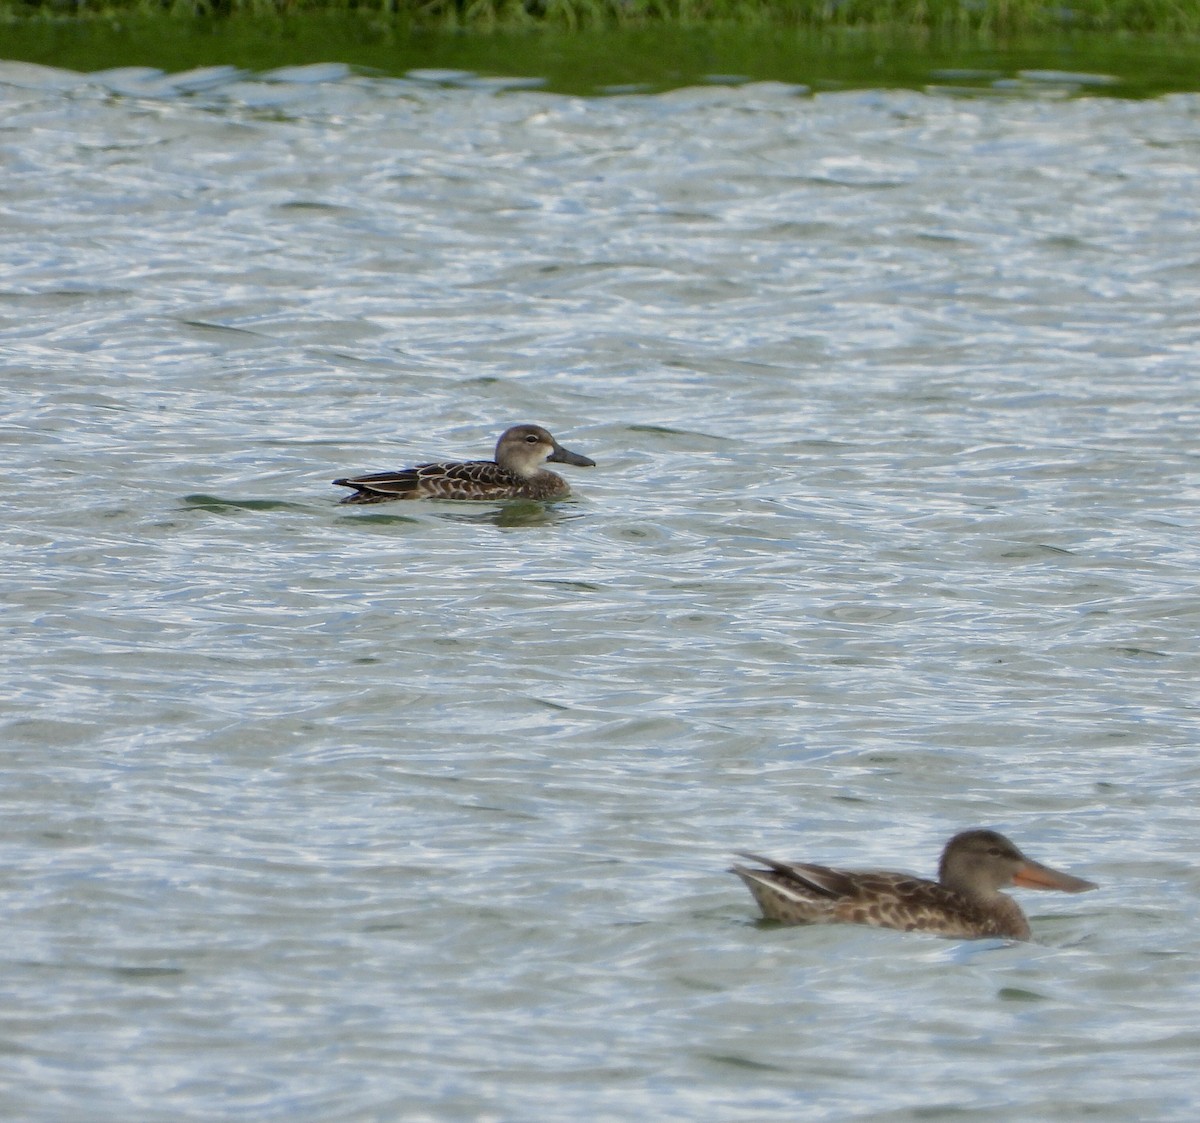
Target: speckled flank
[{"x": 464, "y": 480}]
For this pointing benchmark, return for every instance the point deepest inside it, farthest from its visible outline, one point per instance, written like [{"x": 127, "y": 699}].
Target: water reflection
[
  {"x": 898, "y": 536},
  {"x": 519, "y": 512},
  {"x": 219, "y": 506}
]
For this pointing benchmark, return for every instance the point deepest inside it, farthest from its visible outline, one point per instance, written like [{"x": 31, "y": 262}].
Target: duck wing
[
  {"x": 797, "y": 892},
  {"x": 467, "y": 479}
]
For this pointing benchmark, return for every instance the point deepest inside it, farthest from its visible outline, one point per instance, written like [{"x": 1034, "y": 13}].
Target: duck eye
[
  {"x": 531, "y": 439},
  {"x": 994, "y": 851}
]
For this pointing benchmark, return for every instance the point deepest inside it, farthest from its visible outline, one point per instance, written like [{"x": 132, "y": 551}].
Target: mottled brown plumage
[
  {"x": 516, "y": 473},
  {"x": 964, "y": 902}
]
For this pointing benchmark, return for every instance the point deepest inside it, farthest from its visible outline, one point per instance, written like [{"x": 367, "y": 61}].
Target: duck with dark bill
[{"x": 515, "y": 473}]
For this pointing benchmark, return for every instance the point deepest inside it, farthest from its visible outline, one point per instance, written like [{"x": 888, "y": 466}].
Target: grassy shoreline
[
  {"x": 601, "y": 61},
  {"x": 959, "y": 18},
  {"x": 652, "y": 46}
]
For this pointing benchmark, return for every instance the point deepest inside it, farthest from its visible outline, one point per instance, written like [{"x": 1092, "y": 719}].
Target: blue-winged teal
[
  {"x": 964, "y": 902},
  {"x": 516, "y": 473}
]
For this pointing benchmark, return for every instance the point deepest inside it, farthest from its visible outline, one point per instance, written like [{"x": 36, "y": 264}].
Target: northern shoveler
[
  {"x": 516, "y": 473},
  {"x": 964, "y": 902}
]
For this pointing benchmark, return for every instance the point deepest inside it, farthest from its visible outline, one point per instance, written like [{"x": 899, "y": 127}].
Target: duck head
[
  {"x": 980, "y": 863},
  {"x": 523, "y": 449}
]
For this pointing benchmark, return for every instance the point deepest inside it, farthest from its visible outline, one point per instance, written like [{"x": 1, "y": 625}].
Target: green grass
[
  {"x": 1146, "y": 47},
  {"x": 953, "y": 17},
  {"x": 586, "y": 61}
]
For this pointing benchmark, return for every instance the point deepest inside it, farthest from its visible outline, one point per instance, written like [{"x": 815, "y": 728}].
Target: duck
[
  {"x": 515, "y": 473},
  {"x": 965, "y": 902}
]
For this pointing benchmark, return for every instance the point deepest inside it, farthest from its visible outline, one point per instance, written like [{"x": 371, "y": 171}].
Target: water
[{"x": 422, "y": 812}]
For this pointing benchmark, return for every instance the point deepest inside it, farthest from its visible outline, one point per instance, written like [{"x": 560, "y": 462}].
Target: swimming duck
[
  {"x": 516, "y": 473},
  {"x": 964, "y": 902}
]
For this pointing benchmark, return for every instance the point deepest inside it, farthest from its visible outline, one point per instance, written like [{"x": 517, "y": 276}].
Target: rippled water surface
[{"x": 421, "y": 812}]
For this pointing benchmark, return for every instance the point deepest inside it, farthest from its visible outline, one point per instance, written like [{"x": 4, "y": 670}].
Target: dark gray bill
[{"x": 562, "y": 455}]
